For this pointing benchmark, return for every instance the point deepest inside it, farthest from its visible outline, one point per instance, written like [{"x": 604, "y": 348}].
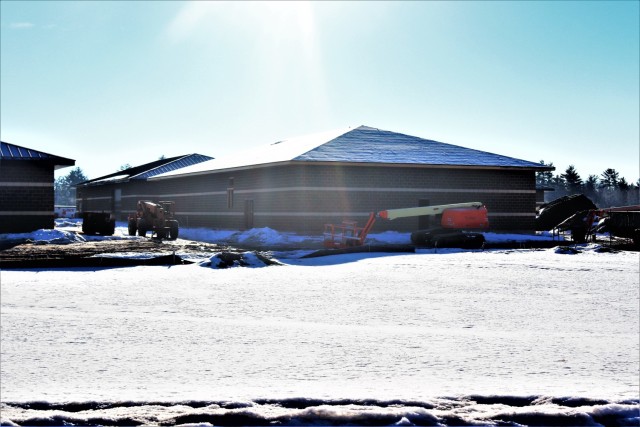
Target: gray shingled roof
[
  {"x": 369, "y": 145},
  {"x": 16, "y": 152},
  {"x": 359, "y": 145}
]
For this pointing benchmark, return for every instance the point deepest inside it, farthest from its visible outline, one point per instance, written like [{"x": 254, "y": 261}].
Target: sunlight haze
[{"x": 114, "y": 83}]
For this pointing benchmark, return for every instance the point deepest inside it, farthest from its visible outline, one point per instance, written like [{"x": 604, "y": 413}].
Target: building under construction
[{"x": 299, "y": 184}]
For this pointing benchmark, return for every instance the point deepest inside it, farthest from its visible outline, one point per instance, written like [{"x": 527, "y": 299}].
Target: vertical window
[
  {"x": 116, "y": 202},
  {"x": 230, "y": 194}
]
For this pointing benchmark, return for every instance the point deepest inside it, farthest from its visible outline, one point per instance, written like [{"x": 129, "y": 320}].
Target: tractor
[{"x": 155, "y": 217}]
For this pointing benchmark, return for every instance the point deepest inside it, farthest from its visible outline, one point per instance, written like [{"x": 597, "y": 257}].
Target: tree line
[{"x": 605, "y": 190}]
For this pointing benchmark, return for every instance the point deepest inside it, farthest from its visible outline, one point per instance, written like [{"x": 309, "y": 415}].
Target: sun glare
[
  {"x": 280, "y": 20},
  {"x": 290, "y": 18},
  {"x": 280, "y": 38}
]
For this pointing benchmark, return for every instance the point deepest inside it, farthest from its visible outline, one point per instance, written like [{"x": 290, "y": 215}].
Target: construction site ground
[
  {"x": 143, "y": 251},
  {"x": 149, "y": 251}
]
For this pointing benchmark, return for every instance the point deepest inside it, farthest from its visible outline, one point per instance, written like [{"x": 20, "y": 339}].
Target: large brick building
[
  {"x": 302, "y": 183},
  {"x": 26, "y": 188}
]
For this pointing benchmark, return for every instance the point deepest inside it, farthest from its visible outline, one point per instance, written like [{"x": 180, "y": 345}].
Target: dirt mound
[{"x": 104, "y": 253}]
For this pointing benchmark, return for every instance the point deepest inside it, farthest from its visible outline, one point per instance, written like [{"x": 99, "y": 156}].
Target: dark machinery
[
  {"x": 102, "y": 223},
  {"x": 621, "y": 221},
  {"x": 454, "y": 218},
  {"x": 155, "y": 217}
]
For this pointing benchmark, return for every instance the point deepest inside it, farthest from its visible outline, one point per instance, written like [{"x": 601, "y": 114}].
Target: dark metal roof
[
  {"x": 179, "y": 163},
  {"x": 147, "y": 170},
  {"x": 16, "y": 152}
]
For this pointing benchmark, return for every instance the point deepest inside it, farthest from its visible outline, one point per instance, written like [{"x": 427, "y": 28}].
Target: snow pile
[
  {"x": 262, "y": 236},
  {"x": 59, "y": 237},
  {"x": 593, "y": 248},
  {"x": 390, "y": 237},
  {"x": 511, "y": 237},
  {"x": 268, "y": 237},
  {"x": 206, "y": 235},
  {"x": 566, "y": 250},
  {"x": 444, "y": 412},
  {"x": 66, "y": 222},
  {"x": 235, "y": 259}
]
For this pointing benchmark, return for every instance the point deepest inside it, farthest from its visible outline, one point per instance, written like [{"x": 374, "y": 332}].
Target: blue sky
[{"x": 110, "y": 83}]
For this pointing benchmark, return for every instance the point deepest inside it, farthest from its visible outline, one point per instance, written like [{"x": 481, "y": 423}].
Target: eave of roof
[
  {"x": 335, "y": 164},
  {"x": 16, "y": 152}
]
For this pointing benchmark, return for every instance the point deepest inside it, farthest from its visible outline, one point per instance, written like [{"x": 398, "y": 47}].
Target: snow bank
[
  {"x": 55, "y": 236},
  {"x": 442, "y": 412},
  {"x": 390, "y": 237},
  {"x": 512, "y": 237},
  {"x": 263, "y": 235},
  {"x": 264, "y": 238},
  {"x": 234, "y": 259},
  {"x": 206, "y": 235}
]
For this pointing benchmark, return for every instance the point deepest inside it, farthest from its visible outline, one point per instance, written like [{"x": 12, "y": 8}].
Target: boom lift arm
[
  {"x": 454, "y": 216},
  {"x": 425, "y": 210}
]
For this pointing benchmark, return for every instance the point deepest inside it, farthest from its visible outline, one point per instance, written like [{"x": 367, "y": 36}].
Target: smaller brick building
[{"x": 26, "y": 188}]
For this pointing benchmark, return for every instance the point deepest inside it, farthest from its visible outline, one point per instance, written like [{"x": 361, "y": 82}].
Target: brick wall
[
  {"x": 303, "y": 197},
  {"x": 26, "y": 195}
]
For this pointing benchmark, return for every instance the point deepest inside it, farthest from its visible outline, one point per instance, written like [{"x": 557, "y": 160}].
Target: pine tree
[
  {"x": 623, "y": 184},
  {"x": 591, "y": 183},
  {"x": 543, "y": 179},
  {"x": 609, "y": 179},
  {"x": 558, "y": 181},
  {"x": 65, "y": 187},
  {"x": 591, "y": 188},
  {"x": 623, "y": 188},
  {"x": 572, "y": 180},
  {"x": 634, "y": 192},
  {"x": 76, "y": 176}
]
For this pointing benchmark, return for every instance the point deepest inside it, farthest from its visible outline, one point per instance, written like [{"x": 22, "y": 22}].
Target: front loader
[{"x": 155, "y": 217}]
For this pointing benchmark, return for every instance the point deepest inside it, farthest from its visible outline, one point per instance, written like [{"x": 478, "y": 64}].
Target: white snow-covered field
[{"x": 406, "y": 327}]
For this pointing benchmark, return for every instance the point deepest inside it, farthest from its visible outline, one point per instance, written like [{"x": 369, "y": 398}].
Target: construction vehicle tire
[
  {"x": 579, "y": 234},
  {"x": 142, "y": 227},
  {"x": 459, "y": 239},
  {"x": 173, "y": 229},
  {"x": 418, "y": 238},
  {"x": 110, "y": 228},
  {"x": 422, "y": 237},
  {"x": 133, "y": 227}
]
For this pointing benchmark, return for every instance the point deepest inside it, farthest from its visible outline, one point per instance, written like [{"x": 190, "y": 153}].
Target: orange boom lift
[{"x": 454, "y": 218}]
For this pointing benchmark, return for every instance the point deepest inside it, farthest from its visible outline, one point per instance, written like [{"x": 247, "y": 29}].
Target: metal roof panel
[{"x": 16, "y": 152}]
